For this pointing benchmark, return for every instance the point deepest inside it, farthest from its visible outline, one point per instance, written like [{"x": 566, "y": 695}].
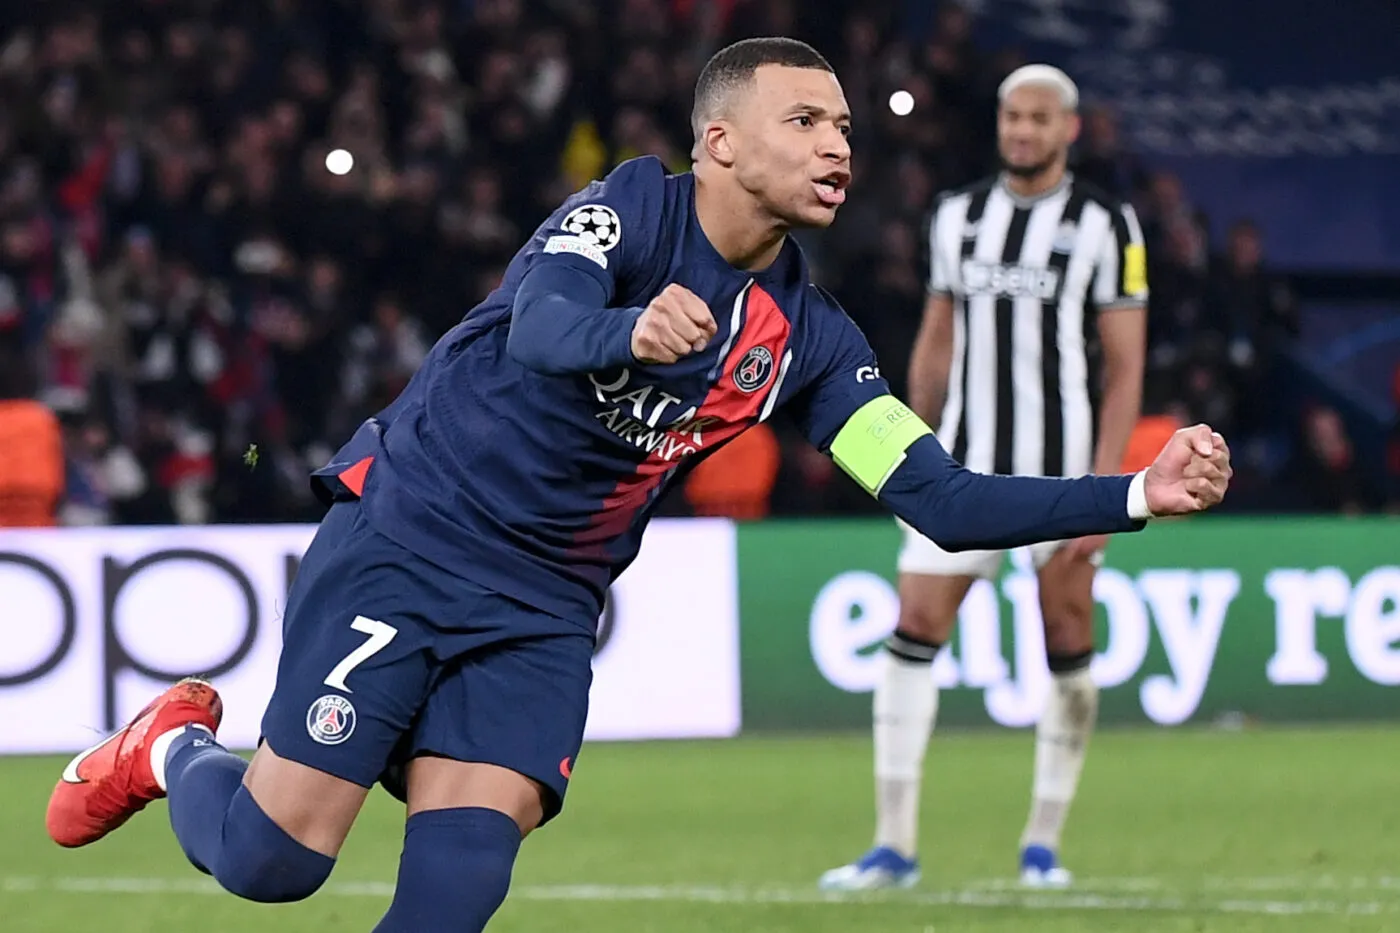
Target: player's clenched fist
[
  {"x": 675, "y": 324},
  {"x": 1191, "y": 473}
]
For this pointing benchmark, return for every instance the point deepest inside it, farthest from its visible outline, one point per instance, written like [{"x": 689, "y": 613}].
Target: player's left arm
[
  {"x": 1120, "y": 299},
  {"x": 847, "y": 411}
]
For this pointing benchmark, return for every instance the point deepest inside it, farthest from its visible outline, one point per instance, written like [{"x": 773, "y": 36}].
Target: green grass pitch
[{"x": 1184, "y": 830}]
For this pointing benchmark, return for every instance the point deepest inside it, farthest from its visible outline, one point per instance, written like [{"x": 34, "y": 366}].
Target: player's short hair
[
  {"x": 733, "y": 67},
  {"x": 1042, "y": 76}
]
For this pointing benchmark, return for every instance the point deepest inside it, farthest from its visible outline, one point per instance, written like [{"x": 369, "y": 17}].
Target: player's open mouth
[{"x": 831, "y": 190}]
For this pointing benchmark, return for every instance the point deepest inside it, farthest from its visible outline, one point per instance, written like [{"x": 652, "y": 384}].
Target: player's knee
[
  {"x": 260, "y": 862},
  {"x": 448, "y": 846},
  {"x": 454, "y": 872},
  {"x": 251, "y": 880},
  {"x": 927, "y": 624}
]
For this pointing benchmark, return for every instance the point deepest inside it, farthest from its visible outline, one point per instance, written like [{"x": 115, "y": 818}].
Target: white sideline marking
[
  {"x": 988, "y": 894},
  {"x": 1317, "y": 883},
  {"x": 1295, "y": 883}
]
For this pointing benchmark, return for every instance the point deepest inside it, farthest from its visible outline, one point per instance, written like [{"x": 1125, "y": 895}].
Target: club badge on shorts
[{"x": 330, "y": 720}]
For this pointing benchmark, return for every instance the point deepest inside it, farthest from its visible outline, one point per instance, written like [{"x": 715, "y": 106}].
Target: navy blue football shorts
[{"x": 386, "y": 658}]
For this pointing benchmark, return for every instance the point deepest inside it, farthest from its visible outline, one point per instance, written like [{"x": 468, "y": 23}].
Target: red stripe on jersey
[
  {"x": 353, "y": 476},
  {"x": 767, "y": 327},
  {"x": 732, "y": 405}
]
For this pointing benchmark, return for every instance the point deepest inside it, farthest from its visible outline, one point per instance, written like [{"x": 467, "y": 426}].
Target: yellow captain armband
[{"x": 872, "y": 443}]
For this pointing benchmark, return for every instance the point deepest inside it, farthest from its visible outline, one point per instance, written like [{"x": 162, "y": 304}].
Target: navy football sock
[
  {"x": 201, "y": 778},
  {"x": 260, "y": 862},
  {"x": 454, "y": 871},
  {"x": 225, "y": 833}
]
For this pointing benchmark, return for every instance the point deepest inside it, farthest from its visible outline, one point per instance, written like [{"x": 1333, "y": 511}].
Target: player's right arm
[
  {"x": 564, "y": 319},
  {"x": 561, "y": 323},
  {"x": 932, "y": 357}
]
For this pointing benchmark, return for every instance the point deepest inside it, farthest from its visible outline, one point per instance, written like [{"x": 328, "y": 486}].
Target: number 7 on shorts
[{"x": 380, "y": 634}]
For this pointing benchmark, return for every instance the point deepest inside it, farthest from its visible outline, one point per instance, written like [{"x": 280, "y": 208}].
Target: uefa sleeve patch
[
  {"x": 1134, "y": 270},
  {"x": 572, "y": 244},
  {"x": 595, "y": 224}
]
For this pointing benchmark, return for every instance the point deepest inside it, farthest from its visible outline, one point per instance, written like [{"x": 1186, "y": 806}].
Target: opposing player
[
  {"x": 438, "y": 636},
  {"x": 1032, "y": 346}
]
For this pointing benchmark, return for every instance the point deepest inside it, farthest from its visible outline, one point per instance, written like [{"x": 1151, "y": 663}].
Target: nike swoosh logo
[{"x": 70, "y": 773}]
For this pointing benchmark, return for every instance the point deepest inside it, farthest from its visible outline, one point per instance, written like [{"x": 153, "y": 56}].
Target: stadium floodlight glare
[{"x": 339, "y": 162}]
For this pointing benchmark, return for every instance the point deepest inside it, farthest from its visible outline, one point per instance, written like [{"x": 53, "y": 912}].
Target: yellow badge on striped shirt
[{"x": 1134, "y": 269}]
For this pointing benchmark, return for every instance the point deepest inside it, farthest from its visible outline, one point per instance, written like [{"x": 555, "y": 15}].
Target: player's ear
[
  {"x": 718, "y": 142},
  {"x": 1072, "y": 130}
]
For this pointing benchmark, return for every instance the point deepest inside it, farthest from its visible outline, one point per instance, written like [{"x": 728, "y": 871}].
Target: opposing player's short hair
[
  {"x": 1042, "y": 76},
  {"x": 733, "y": 67}
]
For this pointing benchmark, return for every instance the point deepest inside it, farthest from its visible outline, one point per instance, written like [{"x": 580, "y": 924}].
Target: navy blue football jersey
[{"x": 530, "y": 448}]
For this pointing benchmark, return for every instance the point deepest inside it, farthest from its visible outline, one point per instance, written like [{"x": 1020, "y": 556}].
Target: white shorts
[{"x": 921, "y": 556}]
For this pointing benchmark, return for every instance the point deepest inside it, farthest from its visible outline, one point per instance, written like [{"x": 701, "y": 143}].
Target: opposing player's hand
[
  {"x": 1190, "y": 474},
  {"x": 675, "y": 324}
]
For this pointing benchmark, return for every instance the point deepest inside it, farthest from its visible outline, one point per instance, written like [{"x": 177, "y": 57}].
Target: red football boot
[{"x": 105, "y": 785}]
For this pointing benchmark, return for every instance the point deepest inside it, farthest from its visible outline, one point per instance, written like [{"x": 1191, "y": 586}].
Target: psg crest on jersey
[
  {"x": 595, "y": 224},
  {"x": 754, "y": 370},
  {"x": 330, "y": 720}
]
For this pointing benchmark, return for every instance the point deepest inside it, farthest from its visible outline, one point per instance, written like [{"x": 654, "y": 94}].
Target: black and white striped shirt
[{"x": 1028, "y": 277}]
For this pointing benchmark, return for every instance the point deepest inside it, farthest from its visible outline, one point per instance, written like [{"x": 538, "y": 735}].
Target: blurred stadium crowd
[{"x": 189, "y": 289}]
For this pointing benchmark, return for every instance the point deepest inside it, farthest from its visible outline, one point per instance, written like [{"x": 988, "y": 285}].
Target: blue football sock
[
  {"x": 225, "y": 833},
  {"x": 454, "y": 871},
  {"x": 201, "y": 778}
]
